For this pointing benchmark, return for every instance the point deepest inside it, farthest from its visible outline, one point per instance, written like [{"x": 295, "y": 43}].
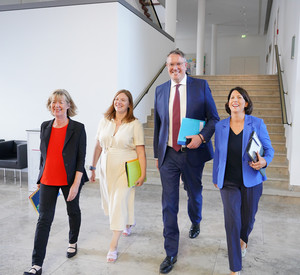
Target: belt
[{"x": 183, "y": 149}]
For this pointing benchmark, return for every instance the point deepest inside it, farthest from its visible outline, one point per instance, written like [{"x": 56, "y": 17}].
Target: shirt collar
[{"x": 182, "y": 82}]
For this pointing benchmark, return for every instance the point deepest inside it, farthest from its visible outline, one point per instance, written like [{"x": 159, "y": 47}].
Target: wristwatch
[{"x": 92, "y": 168}]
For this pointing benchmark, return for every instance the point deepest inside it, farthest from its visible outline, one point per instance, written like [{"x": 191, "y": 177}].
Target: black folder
[{"x": 254, "y": 145}]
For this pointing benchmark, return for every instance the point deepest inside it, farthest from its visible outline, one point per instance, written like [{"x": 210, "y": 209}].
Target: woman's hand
[
  {"x": 75, "y": 186},
  {"x": 261, "y": 162},
  {"x": 73, "y": 192},
  {"x": 93, "y": 176},
  {"x": 140, "y": 181},
  {"x": 216, "y": 186}
]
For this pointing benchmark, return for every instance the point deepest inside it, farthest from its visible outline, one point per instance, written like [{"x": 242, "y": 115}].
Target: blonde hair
[{"x": 72, "y": 111}]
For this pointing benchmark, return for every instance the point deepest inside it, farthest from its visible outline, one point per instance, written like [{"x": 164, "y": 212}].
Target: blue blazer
[
  {"x": 251, "y": 177},
  {"x": 74, "y": 149},
  {"x": 200, "y": 105}
]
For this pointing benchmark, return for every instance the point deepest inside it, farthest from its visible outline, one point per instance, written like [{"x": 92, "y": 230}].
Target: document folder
[
  {"x": 254, "y": 145},
  {"x": 133, "y": 171},
  {"x": 35, "y": 200},
  {"x": 189, "y": 127}
]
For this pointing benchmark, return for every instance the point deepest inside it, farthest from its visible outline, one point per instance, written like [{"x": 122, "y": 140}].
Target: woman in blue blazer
[
  {"x": 238, "y": 178},
  {"x": 63, "y": 149}
]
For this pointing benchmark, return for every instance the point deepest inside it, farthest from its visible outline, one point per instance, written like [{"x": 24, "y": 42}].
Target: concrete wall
[
  {"x": 90, "y": 50},
  {"x": 286, "y": 17},
  {"x": 231, "y": 46}
]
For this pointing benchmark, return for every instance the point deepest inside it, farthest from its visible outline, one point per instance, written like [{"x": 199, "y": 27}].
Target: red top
[{"x": 54, "y": 171}]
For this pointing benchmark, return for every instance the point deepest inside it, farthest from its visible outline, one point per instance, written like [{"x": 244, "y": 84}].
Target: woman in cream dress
[{"x": 120, "y": 138}]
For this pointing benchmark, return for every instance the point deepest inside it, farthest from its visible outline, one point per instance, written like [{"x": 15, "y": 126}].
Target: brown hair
[
  {"x": 111, "y": 112},
  {"x": 72, "y": 111},
  {"x": 245, "y": 95}
]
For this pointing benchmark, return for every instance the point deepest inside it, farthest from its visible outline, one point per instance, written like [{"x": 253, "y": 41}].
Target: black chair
[{"x": 13, "y": 156}]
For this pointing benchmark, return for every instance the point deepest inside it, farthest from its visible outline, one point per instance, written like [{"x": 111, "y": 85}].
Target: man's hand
[{"x": 195, "y": 141}]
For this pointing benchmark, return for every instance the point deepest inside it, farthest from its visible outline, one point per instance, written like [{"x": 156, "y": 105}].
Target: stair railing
[
  {"x": 150, "y": 12},
  {"x": 146, "y": 90},
  {"x": 281, "y": 89}
]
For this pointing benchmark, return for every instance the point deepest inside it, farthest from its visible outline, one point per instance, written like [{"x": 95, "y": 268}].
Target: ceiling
[{"x": 232, "y": 17}]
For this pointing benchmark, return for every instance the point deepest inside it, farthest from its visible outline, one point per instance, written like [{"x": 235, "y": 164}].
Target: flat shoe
[
  {"x": 244, "y": 251},
  {"x": 127, "y": 231},
  {"x": 37, "y": 272},
  {"x": 112, "y": 256},
  {"x": 194, "y": 231},
  {"x": 72, "y": 254}
]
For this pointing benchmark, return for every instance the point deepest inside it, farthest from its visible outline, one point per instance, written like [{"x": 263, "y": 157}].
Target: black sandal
[
  {"x": 72, "y": 254},
  {"x": 37, "y": 272}
]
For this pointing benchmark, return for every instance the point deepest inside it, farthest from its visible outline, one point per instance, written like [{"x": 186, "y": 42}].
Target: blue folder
[{"x": 189, "y": 127}]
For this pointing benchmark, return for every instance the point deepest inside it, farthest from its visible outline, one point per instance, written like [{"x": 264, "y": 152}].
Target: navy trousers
[
  {"x": 48, "y": 198},
  {"x": 174, "y": 166},
  {"x": 240, "y": 206}
]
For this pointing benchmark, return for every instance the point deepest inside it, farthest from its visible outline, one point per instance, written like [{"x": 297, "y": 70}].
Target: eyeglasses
[{"x": 175, "y": 64}]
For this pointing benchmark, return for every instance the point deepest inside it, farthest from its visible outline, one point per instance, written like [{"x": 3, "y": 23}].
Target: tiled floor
[{"x": 273, "y": 245}]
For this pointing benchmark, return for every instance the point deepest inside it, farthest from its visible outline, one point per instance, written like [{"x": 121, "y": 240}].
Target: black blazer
[{"x": 74, "y": 149}]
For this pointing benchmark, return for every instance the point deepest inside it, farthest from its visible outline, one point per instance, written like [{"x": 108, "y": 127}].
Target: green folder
[{"x": 133, "y": 171}]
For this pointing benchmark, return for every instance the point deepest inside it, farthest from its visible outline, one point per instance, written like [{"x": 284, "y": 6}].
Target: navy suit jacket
[
  {"x": 200, "y": 105},
  {"x": 251, "y": 177},
  {"x": 74, "y": 149}
]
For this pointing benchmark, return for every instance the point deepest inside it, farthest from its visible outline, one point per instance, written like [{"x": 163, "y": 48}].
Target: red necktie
[{"x": 176, "y": 119}]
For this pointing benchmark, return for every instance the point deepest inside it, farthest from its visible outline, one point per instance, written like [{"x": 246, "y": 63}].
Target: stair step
[
  {"x": 257, "y": 105},
  {"x": 255, "y": 98}
]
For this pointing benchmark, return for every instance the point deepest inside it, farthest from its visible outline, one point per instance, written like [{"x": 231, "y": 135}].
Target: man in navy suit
[{"x": 180, "y": 97}]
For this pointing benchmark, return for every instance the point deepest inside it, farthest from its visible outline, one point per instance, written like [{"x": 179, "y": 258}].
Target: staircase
[{"x": 264, "y": 93}]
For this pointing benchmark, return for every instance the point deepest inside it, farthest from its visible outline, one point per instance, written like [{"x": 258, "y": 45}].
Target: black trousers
[{"x": 48, "y": 198}]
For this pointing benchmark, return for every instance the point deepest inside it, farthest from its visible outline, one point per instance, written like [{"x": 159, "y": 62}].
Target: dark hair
[
  {"x": 111, "y": 112},
  {"x": 176, "y": 51},
  {"x": 245, "y": 95}
]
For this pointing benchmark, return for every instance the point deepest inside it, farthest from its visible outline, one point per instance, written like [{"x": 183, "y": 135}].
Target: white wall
[
  {"x": 232, "y": 46},
  {"x": 286, "y": 13},
  {"x": 90, "y": 50}
]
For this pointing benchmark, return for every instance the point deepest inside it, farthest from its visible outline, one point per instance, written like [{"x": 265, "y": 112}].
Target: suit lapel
[
  {"x": 166, "y": 100},
  {"x": 70, "y": 131},
  {"x": 189, "y": 100},
  {"x": 247, "y": 131},
  {"x": 47, "y": 133},
  {"x": 225, "y": 132}
]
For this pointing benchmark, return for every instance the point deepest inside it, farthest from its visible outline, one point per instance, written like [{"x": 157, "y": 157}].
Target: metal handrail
[
  {"x": 281, "y": 89},
  {"x": 142, "y": 94}
]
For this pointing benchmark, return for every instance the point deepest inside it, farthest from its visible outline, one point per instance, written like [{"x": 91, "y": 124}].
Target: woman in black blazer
[{"x": 63, "y": 149}]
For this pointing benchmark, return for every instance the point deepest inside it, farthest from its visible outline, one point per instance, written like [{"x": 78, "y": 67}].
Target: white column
[
  {"x": 200, "y": 37},
  {"x": 170, "y": 17},
  {"x": 213, "y": 59}
]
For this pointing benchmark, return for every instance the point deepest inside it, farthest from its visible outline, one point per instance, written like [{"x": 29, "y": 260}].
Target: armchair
[{"x": 13, "y": 156}]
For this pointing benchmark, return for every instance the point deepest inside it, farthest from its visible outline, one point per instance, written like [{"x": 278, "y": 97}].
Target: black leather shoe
[
  {"x": 167, "y": 265},
  {"x": 39, "y": 272},
  {"x": 72, "y": 254},
  {"x": 194, "y": 231}
]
